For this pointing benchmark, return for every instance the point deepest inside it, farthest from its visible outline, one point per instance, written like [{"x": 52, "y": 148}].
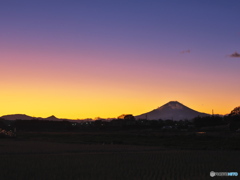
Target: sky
[{"x": 81, "y": 59}]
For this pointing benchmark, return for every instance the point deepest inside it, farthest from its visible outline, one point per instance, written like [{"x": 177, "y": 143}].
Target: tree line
[{"x": 126, "y": 122}]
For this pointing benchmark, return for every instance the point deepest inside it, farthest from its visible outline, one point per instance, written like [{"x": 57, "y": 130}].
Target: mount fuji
[{"x": 173, "y": 110}]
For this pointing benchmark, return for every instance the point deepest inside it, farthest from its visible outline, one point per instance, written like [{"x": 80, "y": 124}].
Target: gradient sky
[{"x": 89, "y": 58}]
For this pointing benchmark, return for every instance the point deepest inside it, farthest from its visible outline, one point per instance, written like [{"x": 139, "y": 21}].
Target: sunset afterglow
[{"x": 86, "y": 59}]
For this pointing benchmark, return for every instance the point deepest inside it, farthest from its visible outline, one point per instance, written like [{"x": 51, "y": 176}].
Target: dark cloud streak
[
  {"x": 235, "y": 55},
  {"x": 186, "y": 51}
]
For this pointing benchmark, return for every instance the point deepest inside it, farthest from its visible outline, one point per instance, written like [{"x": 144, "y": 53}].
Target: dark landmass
[
  {"x": 123, "y": 148},
  {"x": 144, "y": 154}
]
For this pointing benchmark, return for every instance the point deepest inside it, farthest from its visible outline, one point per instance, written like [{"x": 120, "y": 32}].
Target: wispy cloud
[
  {"x": 185, "y": 51},
  {"x": 235, "y": 55}
]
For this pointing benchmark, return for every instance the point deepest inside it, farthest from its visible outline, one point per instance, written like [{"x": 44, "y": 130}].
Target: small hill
[
  {"x": 17, "y": 116},
  {"x": 52, "y": 118},
  {"x": 13, "y": 117}
]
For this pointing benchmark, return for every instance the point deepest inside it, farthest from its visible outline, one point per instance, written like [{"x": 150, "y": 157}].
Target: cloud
[
  {"x": 235, "y": 55},
  {"x": 185, "y": 51}
]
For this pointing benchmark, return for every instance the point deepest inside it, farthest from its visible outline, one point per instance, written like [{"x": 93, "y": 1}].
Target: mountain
[
  {"x": 26, "y": 117},
  {"x": 13, "y": 117},
  {"x": 173, "y": 110},
  {"x": 17, "y": 116},
  {"x": 52, "y": 118}
]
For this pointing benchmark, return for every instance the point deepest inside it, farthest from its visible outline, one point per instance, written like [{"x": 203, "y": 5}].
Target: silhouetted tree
[
  {"x": 208, "y": 121},
  {"x": 234, "y": 119},
  {"x": 127, "y": 117},
  {"x": 235, "y": 111}
]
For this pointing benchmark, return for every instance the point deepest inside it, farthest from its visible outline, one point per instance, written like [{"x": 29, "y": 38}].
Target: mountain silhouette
[
  {"x": 26, "y": 117},
  {"x": 173, "y": 110},
  {"x": 17, "y": 116},
  {"x": 52, "y": 118}
]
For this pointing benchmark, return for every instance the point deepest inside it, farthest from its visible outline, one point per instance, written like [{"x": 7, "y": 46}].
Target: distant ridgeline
[{"x": 172, "y": 116}]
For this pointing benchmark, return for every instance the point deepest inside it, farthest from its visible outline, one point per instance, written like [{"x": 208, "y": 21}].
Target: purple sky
[{"x": 137, "y": 54}]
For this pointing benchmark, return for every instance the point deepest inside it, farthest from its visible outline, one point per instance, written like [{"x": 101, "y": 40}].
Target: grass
[
  {"x": 160, "y": 139},
  {"x": 119, "y": 165},
  {"x": 117, "y": 155}
]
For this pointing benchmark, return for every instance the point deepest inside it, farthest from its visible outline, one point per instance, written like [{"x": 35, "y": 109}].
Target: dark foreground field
[{"x": 86, "y": 156}]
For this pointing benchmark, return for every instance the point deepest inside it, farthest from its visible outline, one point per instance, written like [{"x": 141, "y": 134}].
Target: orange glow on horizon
[{"x": 92, "y": 86}]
